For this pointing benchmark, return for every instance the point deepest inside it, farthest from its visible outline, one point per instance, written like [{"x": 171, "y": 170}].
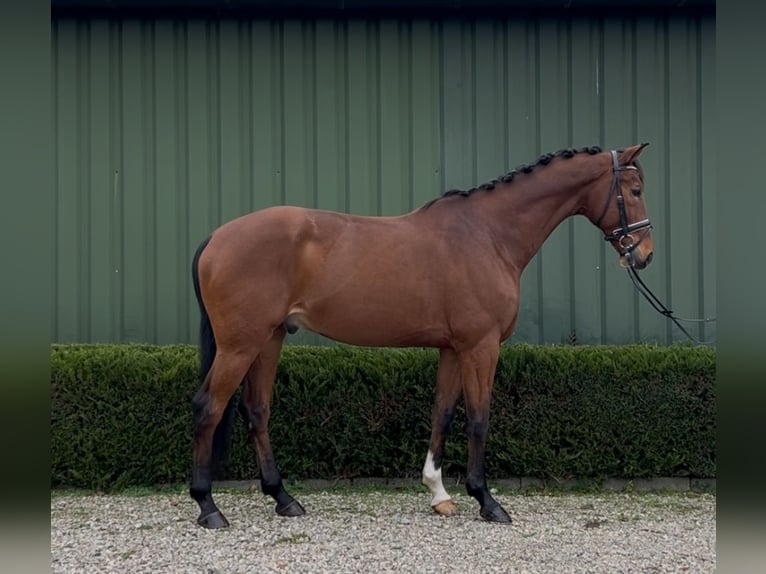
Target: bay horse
[{"x": 445, "y": 275}]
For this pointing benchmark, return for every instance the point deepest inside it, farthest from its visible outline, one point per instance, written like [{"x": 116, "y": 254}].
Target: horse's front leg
[
  {"x": 447, "y": 393},
  {"x": 477, "y": 369}
]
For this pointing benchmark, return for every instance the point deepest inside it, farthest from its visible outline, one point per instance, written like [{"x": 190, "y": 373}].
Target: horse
[{"x": 445, "y": 275}]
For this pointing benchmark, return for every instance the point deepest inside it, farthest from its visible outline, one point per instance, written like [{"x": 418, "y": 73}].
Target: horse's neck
[{"x": 525, "y": 214}]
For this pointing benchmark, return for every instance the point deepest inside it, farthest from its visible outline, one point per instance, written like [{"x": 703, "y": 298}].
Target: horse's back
[
  {"x": 361, "y": 279},
  {"x": 295, "y": 244},
  {"x": 298, "y": 227}
]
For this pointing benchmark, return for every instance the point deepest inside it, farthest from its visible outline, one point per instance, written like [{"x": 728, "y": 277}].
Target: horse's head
[{"x": 619, "y": 211}]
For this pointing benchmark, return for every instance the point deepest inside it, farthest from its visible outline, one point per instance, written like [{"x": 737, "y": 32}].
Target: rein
[
  {"x": 624, "y": 232},
  {"x": 642, "y": 288}
]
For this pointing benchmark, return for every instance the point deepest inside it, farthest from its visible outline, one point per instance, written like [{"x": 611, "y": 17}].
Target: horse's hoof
[
  {"x": 213, "y": 520},
  {"x": 495, "y": 514},
  {"x": 445, "y": 508},
  {"x": 292, "y": 509}
]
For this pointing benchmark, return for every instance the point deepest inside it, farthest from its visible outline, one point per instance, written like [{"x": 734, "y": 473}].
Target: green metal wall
[{"x": 166, "y": 128}]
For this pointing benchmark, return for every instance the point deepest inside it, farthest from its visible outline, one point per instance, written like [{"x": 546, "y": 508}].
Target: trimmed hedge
[{"x": 121, "y": 414}]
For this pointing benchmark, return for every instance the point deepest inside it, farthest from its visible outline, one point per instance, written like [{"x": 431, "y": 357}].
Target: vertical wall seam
[
  {"x": 243, "y": 127},
  {"x": 56, "y": 225},
  {"x": 409, "y": 129},
  {"x": 312, "y": 107},
  {"x": 191, "y": 241},
  {"x": 280, "y": 39},
  {"x": 211, "y": 219},
  {"x": 602, "y": 141},
  {"x": 84, "y": 178},
  {"x": 250, "y": 158},
  {"x": 538, "y": 139},
  {"x": 212, "y": 201},
  {"x": 697, "y": 25},
  {"x": 181, "y": 144},
  {"x": 217, "y": 120},
  {"x": 668, "y": 170},
  {"x": 442, "y": 87},
  {"x": 114, "y": 170},
  {"x": 346, "y": 122},
  {"x": 471, "y": 91},
  {"x": 437, "y": 73},
  {"x": 150, "y": 206},
  {"x": 570, "y": 222},
  {"x": 505, "y": 90},
  {"x": 374, "y": 91},
  {"x": 119, "y": 188},
  {"x": 634, "y": 139},
  {"x": 313, "y": 91}
]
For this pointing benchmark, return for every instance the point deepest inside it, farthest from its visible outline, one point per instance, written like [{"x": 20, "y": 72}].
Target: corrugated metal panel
[
  {"x": 517, "y": 88},
  {"x": 164, "y": 129}
]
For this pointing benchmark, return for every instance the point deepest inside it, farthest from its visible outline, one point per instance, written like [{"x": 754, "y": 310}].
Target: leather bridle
[
  {"x": 625, "y": 232},
  {"x": 623, "y": 235}
]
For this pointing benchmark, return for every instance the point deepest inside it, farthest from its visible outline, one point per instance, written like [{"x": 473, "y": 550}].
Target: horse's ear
[{"x": 629, "y": 155}]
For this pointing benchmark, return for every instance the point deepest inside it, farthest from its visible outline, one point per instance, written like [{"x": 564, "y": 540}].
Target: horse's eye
[{"x": 636, "y": 192}]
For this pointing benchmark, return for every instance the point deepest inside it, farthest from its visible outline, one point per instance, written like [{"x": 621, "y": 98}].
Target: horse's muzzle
[{"x": 632, "y": 259}]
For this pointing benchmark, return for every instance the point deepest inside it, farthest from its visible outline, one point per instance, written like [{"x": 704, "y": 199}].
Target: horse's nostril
[{"x": 649, "y": 257}]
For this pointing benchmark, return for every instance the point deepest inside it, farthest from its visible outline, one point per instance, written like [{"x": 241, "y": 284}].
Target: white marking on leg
[{"x": 432, "y": 478}]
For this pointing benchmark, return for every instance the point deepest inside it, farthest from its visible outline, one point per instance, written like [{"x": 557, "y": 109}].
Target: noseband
[{"x": 623, "y": 235}]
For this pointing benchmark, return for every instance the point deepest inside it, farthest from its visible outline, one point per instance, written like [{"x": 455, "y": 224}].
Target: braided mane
[{"x": 544, "y": 159}]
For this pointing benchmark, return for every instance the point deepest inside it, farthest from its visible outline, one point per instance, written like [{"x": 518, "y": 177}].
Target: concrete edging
[{"x": 664, "y": 484}]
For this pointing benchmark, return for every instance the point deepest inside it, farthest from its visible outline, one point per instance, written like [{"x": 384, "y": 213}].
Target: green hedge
[{"x": 121, "y": 415}]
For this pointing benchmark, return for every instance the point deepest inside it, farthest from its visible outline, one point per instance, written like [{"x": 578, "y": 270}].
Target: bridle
[
  {"x": 625, "y": 231},
  {"x": 623, "y": 235}
]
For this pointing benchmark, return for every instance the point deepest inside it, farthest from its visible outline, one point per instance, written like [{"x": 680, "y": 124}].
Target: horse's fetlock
[
  {"x": 271, "y": 487},
  {"x": 475, "y": 486},
  {"x": 199, "y": 493}
]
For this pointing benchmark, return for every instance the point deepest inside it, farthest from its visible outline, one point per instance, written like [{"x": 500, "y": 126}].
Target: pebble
[{"x": 374, "y": 531}]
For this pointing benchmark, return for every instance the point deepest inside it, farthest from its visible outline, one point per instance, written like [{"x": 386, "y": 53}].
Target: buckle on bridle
[{"x": 621, "y": 233}]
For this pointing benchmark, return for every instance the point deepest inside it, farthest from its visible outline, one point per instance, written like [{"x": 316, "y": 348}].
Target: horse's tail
[{"x": 207, "y": 348}]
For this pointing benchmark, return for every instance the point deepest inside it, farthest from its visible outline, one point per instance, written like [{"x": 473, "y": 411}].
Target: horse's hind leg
[
  {"x": 255, "y": 404},
  {"x": 225, "y": 376},
  {"x": 448, "y": 390}
]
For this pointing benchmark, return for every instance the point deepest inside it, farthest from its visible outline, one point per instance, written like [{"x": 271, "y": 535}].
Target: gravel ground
[{"x": 386, "y": 531}]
